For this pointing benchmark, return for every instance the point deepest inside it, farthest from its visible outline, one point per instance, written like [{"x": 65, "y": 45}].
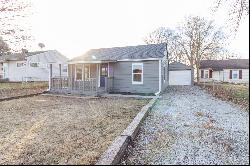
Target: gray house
[{"x": 131, "y": 69}]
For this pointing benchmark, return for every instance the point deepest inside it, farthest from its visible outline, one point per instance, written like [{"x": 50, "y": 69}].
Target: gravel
[{"x": 189, "y": 126}]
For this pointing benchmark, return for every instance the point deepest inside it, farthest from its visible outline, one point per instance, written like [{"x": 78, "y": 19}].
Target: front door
[{"x": 104, "y": 73}]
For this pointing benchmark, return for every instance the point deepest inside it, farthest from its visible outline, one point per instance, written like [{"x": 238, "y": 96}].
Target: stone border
[
  {"x": 70, "y": 96},
  {"x": 116, "y": 150}
]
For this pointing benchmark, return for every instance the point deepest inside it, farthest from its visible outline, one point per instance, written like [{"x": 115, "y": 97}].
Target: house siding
[
  {"x": 165, "y": 82},
  {"x": 122, "y": 73},
  {"x": 245, "y": 76},
  {"x": 223, "y": 76},
  {"x": 1, "y": 70},
  {"x": 41, "y": 73}
]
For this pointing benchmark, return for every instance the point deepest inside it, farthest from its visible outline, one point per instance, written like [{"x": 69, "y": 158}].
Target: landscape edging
[
  {"x": 116, "y": 150},
  {"x": 22, "y": 96}
]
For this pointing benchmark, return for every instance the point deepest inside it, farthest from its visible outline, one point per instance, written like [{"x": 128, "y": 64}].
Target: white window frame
[
  {"x": 23, "y": 64},
  {"x": 38, "y": 64},
  {"x": 206, "y": 71},
  {"x": 235, "y": 72},
  {"x": 136, "y": 82}
]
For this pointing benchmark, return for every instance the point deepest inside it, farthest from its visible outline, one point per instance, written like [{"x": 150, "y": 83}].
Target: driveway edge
[{"x": 116, "y": 150}]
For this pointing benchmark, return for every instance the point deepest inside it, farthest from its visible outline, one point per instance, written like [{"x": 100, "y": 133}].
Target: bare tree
[
  {"x": 168, "y": 36},
  {"x": 41, "y": 45},
  {"x": 14, "y": 24},
  {"x": 237, "y": 9},
  {"x": 200, "y": 39},
  {"x": 4, "y": 47}
]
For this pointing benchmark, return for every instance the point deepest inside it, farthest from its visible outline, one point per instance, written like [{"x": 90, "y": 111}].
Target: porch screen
[{"x": 79, "y": 72}]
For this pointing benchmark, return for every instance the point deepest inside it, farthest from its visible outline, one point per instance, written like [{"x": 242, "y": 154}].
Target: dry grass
[
  {"x": 25, "y": 85},
  {"x": 56, "y": 130},
  {"x": 199, "y": 114},
  {"x": 236, "y": 93},
  {"x": 8, "y": 90}
]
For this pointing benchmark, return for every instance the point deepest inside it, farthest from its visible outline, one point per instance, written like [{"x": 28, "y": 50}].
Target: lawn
[
  {"x": 236, "y": 93},
  {"x": 58, "y": 130}
]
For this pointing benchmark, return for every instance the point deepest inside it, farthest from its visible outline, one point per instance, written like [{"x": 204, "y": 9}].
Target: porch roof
[{"x": 150, "y": 51}]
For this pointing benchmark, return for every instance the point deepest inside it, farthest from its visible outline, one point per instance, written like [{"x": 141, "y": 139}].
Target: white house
[
  {"x": 32, "y": 66},
  {"x": 231, "y": 70}
]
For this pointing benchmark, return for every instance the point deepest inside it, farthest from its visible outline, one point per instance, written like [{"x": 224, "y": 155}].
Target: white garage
[{"x": 180, "y": 74}]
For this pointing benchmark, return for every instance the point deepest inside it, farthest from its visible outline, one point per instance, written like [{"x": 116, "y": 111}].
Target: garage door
[{"x": 180, "y": 77}]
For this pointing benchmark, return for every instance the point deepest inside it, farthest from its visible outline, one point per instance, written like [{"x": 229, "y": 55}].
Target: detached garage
[{"x": 180, "y": 74}]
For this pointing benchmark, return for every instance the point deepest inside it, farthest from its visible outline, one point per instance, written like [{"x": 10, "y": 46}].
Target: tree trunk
[{"x": 198, "y": 74}]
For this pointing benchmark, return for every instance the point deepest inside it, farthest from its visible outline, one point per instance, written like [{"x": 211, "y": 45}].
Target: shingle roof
[
  {"x": 178, "y": 66},
  {"x": 218, "y": 65},
  {"x": 19, "y": 56},
  {"x": 120, "y": 53}
]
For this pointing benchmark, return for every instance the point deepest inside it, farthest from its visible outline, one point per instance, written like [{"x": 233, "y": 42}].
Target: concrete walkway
[{"x": 189, "y": 126}]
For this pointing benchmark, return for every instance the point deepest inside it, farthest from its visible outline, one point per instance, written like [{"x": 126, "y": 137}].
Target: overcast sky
[{"x": 74, "y": 26}]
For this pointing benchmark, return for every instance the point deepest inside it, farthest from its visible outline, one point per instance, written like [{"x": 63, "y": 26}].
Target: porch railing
[
  {"x": 69, "y": 84},
  {"x": 90, "y": 85}
]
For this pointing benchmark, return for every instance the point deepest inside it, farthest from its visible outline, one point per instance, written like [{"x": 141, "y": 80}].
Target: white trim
[
  {"x": 157, "y": 93},
  {"x": 108, "y": 69},
  {"x": 76, "y": 62},
  {"x": 138, "y": 60},
  {"x": 75, "y": 71},
  {"x": 99, "y": 72},
  {"x": 21, "y": 62},
  {"x": 38, "y": 64},
  {"x": 136, "y": 82}
]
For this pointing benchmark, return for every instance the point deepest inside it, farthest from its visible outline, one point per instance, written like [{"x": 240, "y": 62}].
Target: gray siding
[
  {"x": 164, "y": 84},
  {"x": 122, "y": 72}
]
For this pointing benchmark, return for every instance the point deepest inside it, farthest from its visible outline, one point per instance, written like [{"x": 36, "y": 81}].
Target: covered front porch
[{"x": 83, "y": 78}]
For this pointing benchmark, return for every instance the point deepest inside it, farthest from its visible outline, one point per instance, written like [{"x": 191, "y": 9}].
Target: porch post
[
  {"x": 50, "y": 76},
  {"x": 60, "y": 75},
  {"x": 97, "y": 79},
  {"x": 72, "y": 76},
  {"x": 83, "y": 76}
]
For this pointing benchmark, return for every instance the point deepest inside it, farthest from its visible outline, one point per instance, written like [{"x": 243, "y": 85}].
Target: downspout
[{"x": 157, "y": 93}]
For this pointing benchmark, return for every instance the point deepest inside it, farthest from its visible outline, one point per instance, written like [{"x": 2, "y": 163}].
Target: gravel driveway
[{"x": 189, "y": 126}]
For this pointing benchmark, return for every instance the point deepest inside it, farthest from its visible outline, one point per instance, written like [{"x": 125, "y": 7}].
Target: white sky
[{"x": 74, "y": 26}]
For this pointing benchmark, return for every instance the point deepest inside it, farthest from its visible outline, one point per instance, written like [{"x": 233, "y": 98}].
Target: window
[
  {"x": 206, "y": 74},
  {"x": 137, "y": 73},
  {"x": 34, "y": 64},
  {"x": 235, "y": 74},
  {"x": 87, "y": 72},
  {"x": 79, "y": 72},
  {"x": 65, "y": 68},
  {"x": 20, "y": 64}
]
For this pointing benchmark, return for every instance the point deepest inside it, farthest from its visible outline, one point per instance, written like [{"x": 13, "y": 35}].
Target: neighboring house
[
  {"x": 31, "y": 66},
  {"x": 232, "y": 70},
  {"x": 180, "y": 74},
  {"x": 1, "y": 70},
  {"x": 131, "y": 69}
]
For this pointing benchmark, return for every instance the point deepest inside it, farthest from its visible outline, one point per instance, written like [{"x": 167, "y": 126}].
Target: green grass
[
  {"x": 23, "y": 85},
  {"x": 238, "y": 91}
]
